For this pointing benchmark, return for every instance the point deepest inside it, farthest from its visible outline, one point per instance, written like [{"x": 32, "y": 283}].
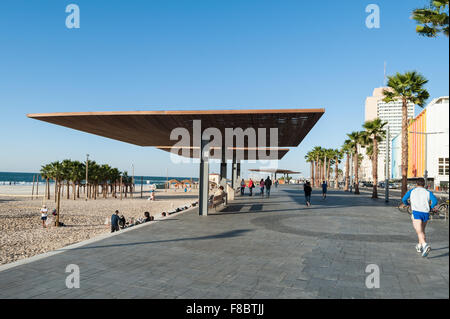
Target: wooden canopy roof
[{"x": 153, "y": 128}]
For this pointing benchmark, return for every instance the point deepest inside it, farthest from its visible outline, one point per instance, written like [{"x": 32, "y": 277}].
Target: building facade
[{"x": 433, "y": 123}]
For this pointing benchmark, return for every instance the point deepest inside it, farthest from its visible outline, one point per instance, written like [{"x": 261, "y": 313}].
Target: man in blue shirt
[
  {"x": 420, "y": 199},
  {"x": 115, "y": 222}
]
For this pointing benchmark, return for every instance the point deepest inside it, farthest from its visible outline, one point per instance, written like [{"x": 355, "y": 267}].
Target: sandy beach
[{"x": 22, "y": 234}]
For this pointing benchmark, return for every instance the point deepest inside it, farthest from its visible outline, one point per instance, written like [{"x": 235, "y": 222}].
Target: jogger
[{"x": 420, "y": 199}]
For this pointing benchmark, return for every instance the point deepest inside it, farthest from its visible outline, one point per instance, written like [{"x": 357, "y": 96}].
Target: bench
[{"x": 217, "y": 200}]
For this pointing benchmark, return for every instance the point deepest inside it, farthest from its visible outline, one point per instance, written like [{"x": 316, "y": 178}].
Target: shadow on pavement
[{"x": 228, "y": 234}]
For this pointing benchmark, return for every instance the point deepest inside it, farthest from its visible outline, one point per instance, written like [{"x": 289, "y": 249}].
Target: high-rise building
[{"x": 388, "y": 112}]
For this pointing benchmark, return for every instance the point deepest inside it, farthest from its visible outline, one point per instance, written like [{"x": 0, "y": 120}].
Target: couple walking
[
  {"x": 267, "y": 184},
  {"x": 263, "y": 184}
]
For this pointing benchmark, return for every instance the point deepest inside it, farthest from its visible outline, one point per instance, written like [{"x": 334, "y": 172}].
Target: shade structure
[
  {"x": 242, "y": 133},
  {"x": 274, "y": 171},
  {"x": 153, "y": 128}
]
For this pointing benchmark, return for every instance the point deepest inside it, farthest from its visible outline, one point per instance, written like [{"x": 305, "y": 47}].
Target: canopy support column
[
  {"x": 203, "y": 180},
  {"x": 223, "y": 170},
  {"x": 234, "y": 172}
]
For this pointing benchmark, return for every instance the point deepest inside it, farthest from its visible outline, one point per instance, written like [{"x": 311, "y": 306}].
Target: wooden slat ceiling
[
  {"x": 153, "y": 128},
  {"x": 215, "y": 152}
]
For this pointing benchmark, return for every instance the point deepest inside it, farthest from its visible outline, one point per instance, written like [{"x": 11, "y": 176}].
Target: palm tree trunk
[
  {"x": 336, "y": 174},
  {"x": 328, "y": 171},
  {"x": 347, "y": 173},
  {"x": 375, "y": 168},
  {"x": 58, "y": 204},
  {"x": 356, "y": 174},
  {"x": 56, "y": 191},
  {"x": 404, "y": 147},
  {"x": 312, "y": 171},
  {"x": 74, "y": 187}
]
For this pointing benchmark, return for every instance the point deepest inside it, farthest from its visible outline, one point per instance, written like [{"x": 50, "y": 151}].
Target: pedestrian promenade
[{"x": 255, "y": 248}]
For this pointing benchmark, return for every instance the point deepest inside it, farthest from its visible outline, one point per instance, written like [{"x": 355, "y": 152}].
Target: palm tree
[
  {"x": 67, "y": 172},
  {"x": 408, "y": 88},
  {"x": 310, "y": 159},
  {"x": 57, "y": 174},
  {"x": 375, "y": 134},
  {"x": 330, "y": 155},
  {"x": 46, "y": 174},
  {"x": 337, "y": 159},
  {"x": 432, "y": 20},
  {"x": 356, "y": 139},
  {"x": 77, "y": 174},
  {"x": 346, "y": 149},
  {"x": 317, "y": 153}
]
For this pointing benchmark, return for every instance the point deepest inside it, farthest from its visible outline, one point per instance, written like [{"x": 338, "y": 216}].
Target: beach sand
[{"x": 22, "y": 234}]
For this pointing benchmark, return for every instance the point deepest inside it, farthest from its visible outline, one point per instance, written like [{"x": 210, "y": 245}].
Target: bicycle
[{"x": 442, "y": 208}]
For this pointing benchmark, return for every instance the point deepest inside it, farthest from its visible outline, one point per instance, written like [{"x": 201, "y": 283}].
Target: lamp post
[
  {"x": 425, "y": 172},
  {"x": 386, "y": 183},
  {"x": 87, "y": 168}
]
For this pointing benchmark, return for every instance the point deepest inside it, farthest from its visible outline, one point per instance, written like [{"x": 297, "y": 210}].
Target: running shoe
[
  {"x": 425, "y": 250},
  {"x": 419, "y": 248}
]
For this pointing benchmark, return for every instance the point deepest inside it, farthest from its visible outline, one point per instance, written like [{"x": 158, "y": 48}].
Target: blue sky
[{"x": 171, "y": 55}]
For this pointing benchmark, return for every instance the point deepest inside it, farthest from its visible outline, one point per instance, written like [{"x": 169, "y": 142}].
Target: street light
[
  {"x": 386, "y": 184},
  {"x": 425, "y": 172},
  {"x": 87, "y": 166}
]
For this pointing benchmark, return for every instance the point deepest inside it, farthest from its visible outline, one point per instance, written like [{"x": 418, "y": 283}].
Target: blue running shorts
[{"x": 422, "y": 216}]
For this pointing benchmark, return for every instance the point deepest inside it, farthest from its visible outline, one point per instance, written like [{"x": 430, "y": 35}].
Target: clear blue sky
[{"x": 167, "y": 54}]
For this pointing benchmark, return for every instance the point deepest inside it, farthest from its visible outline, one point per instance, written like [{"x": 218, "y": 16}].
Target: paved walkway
[{"x": 256, "y": 248}]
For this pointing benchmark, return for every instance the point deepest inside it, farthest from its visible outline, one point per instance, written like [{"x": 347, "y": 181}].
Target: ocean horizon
[{"x": 21, "y": 178}]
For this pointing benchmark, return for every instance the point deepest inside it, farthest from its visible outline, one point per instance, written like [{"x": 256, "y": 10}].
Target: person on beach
[
  {"x": 268, "y": 184},
  {"x": 115, "y": 221},
  {"x": 44, "y": 212},
  {"x": 422, "y": 201},
  {"x": 242, "y": 187},
  {"x": 251, "y": 185},
  {"x": 147, "y": 217},
  {"x": 308, "y": 190},
  {"x": 324, "y": 189},
  {"x": 261, "y": 186}
]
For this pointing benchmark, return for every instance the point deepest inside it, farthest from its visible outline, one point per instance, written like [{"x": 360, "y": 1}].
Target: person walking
[
  {"x": 44, "y": 213},
  {"x": 115, "y": 222},
  {"x": 324, "y": 189},
  {"x": 308, "y": 190},
  {"x": 420, "y": 199},
  {"x": 261, "y": 187},
  {"x": 242, "y": 187},
  {"x": 268, "y": 184},
  {"x": 251, "y": 185}
]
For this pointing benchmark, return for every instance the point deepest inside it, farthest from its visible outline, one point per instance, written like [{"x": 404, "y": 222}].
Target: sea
[{"x": 13, "y": 178}]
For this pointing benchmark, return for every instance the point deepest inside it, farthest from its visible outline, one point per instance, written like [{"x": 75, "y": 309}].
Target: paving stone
[{"x": 274, "y": 249}]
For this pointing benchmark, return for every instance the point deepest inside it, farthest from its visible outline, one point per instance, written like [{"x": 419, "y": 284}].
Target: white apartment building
[{"x": 388, "y": 112}]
